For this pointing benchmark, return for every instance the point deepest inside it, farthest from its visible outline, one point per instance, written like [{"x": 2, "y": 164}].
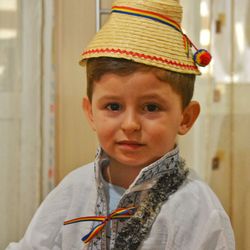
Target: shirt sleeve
[
  {"x": 197, "y": 221},
  {"x": 204, "y": 232},
  {"x": 75, "y": 194},
  {"x": 44, "y": 231},
  {"x": 216, "y": 233}
]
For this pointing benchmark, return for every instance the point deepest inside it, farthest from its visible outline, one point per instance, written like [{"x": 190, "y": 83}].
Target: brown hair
[{"x": 182, "y": 84}]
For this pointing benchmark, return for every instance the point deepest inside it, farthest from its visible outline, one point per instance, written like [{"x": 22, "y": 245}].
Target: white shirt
[{"x": 192, "y": 218}]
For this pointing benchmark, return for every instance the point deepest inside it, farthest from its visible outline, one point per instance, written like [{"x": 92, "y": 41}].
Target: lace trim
[{"x": 135, "y": 230}]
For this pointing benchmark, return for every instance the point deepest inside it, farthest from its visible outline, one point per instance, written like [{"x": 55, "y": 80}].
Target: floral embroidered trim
[{"x": 138, "y": 226}]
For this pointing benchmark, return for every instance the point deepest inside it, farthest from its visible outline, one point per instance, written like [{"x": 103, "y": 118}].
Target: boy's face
[{"x": 137, "y": 117}]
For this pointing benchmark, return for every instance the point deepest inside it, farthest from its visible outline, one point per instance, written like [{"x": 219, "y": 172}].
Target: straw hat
[{"x": 148, "y": 32}]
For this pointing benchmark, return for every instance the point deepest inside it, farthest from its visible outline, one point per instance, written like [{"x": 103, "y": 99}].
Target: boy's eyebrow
[
  {"x": 109, "y": 97},
  {"x": 142, "y": 97},
  {"x": 154, "y": 96}
]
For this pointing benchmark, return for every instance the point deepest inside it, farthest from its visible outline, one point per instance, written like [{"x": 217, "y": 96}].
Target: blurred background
[{"x": 43, "y": 131}]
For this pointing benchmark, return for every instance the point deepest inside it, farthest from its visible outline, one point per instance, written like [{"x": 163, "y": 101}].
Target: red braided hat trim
[{"x": 140, "y": 55}]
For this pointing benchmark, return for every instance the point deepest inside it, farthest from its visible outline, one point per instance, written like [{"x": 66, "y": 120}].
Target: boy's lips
[{"x": 130, "y": 144}]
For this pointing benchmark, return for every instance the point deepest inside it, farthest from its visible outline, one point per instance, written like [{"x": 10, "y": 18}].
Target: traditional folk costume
[{"x": 168, "y": 208}]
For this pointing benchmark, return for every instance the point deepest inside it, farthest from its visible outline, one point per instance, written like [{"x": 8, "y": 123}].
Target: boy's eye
[
  {"x": 113, "y": 106},
  {"x": 151, "y": 107}
]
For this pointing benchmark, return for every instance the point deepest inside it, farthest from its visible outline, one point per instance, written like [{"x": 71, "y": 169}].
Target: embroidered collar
[
  {"x": 165, "y": 176},
  {"x": 148, "y": 175},
  {"x": 149, "y": 191},
  {"x": 140, "y": 204}
]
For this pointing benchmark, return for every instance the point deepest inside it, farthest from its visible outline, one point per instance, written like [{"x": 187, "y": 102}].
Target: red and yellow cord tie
[{"x": 120, "y": 213}]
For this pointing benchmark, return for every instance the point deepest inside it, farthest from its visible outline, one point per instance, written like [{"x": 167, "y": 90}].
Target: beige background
[
  {"x": 27, "y": 119},
  {"x": 220, "y": 133},
  {"x": 75, "y": 143}
]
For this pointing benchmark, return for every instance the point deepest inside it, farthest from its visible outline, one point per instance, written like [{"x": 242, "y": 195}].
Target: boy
[{"x": 138, "y": 194}]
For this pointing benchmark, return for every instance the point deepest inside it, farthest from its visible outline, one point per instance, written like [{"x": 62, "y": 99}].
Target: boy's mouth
[{"x": 130, "y": 144}]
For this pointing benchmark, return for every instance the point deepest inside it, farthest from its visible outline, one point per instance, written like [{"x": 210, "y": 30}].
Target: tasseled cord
[
  {"x": 201, "y": 57},
  {"x": 120, "y": 213}
]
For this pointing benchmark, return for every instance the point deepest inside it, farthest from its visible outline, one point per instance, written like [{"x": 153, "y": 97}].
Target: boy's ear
[
  {"x": 87, "y": 107},
  {"x": 190, "y": 114}
]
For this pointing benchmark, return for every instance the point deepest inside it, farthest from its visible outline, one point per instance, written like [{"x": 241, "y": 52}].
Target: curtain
[{"x": 26, "y": 112}]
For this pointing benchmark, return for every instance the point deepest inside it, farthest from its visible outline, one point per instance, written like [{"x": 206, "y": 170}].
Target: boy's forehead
[
  {"x": 146, "y": 82},
  {"x": 148, "y": 72}
]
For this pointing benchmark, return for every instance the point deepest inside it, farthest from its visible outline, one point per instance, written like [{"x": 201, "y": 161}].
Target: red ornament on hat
[{"x": 202, "y": 57}]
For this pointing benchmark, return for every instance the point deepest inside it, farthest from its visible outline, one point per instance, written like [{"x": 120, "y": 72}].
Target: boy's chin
[{"x": 132, "y": 163}]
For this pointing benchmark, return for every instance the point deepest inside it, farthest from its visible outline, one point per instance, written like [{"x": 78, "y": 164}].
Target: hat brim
[{"x": 143, "y": 41}]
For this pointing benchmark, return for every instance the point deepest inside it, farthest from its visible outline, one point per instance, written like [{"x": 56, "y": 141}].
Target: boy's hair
[{"x": 182, "y": 84}]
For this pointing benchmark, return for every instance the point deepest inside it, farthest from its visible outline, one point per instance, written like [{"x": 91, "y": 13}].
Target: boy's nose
[{"x": 130, "y": 122}]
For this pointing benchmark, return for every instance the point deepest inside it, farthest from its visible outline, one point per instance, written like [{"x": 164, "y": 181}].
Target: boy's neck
[{"x": 120, "y": 175}]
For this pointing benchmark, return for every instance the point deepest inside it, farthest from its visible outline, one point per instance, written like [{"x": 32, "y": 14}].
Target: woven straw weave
[{"x": 144, "y": 40}]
